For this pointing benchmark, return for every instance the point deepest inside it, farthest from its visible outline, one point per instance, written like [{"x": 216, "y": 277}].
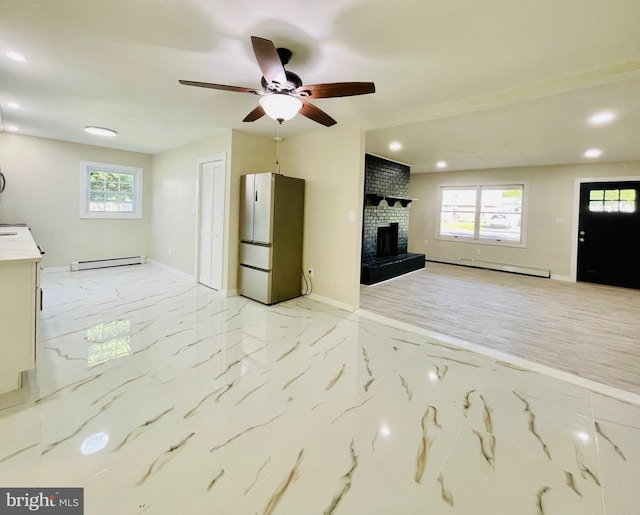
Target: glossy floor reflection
[{"x": 159, "y": 396}]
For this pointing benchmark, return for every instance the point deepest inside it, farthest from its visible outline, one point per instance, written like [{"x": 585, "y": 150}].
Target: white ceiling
[{"x": 484, "y": 84}]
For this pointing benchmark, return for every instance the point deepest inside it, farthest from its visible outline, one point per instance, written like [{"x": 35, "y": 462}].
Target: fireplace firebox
[{"x": 387, "y": 242}]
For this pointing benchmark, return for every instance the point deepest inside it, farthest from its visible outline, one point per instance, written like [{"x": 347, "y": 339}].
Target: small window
[
  {"x": 110, "y": 191},
  {"x": 612, "y": 201}
]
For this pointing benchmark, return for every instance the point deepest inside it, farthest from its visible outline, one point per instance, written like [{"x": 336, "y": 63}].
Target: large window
[
  {"x": 110, "y": 191},
  {"x": 482, "y": 213}
]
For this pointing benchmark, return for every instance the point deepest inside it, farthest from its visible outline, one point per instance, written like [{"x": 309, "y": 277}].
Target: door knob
[
  {"x": 580, "y": 240},
  {"x": 581, "y": 233}
]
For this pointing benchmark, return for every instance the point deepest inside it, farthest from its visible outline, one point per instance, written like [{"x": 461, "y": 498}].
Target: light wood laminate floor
[{"x": 589, "y": 330}]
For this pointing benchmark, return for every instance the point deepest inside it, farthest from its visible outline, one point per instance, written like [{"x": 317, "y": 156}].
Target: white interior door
[{"x": 211, "y": 222}]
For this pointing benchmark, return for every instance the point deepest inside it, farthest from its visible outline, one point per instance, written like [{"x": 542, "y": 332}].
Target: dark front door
[{"x": 609, "y": 226}]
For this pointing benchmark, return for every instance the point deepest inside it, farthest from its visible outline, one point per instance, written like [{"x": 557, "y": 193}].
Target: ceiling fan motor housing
[{"x": 293, "y": 82}]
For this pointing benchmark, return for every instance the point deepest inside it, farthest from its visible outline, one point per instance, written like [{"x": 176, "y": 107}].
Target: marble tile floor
[{"x": 159, "y": 396}]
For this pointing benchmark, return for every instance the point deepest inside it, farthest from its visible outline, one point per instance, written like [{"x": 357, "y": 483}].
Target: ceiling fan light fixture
[{"x": 280, "y": 106}]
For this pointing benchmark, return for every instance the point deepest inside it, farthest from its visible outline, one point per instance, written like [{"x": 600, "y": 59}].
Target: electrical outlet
[
  {"x": 310, "y": 272},
  {"x": 478, "y": 251}
]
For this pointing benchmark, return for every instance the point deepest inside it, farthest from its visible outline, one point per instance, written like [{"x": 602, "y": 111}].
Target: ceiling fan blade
[
  {"x": 336, "y": 89},
  {"x": 315, "y": 114},
  {"x": 268, "y": 60},
  {"x": 239, "y": 89},
  {"x": 258, "y": 112}
]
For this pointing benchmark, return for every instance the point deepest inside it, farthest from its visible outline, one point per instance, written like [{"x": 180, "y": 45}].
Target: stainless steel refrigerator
[{"x": 271, "y": 226}]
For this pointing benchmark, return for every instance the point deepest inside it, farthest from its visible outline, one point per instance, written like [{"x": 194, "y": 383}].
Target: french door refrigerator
[{"x": 271, "y": 226}]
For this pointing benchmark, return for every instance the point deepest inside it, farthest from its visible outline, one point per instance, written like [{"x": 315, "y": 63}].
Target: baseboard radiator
[
  {"x": 490, "y": 265},
  {"x": 107, "y": 263}
]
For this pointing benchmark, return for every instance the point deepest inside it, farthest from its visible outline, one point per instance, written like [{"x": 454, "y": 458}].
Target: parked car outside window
[{"x": 499, "y": 222}]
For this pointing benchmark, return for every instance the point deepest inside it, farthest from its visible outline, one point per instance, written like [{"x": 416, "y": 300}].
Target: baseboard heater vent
[
  {"x": 516, "y": 269},
  {"x": 107, "y": 263}
]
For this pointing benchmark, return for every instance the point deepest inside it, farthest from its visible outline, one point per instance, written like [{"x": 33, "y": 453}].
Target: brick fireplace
[{"x": 386, "y": 221}]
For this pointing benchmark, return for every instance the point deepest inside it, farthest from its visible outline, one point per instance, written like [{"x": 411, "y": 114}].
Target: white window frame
[
  {"x": 86, "y": 167},
  {"x": 476, "y": 239}
]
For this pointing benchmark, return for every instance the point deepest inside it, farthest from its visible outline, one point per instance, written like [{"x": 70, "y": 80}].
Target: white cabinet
[{"x": 20, "y": 301}]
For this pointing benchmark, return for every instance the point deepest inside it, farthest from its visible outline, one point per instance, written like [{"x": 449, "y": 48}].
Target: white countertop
[{"x": 17, "y": 244}]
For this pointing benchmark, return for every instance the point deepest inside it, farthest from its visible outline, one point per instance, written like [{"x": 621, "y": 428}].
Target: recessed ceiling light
[
  {"x": 602, "y": 117},
  {"x": 100, "y": 131},
  {"x": 14, "y": 105},
  {"x": 394, "y": 145},
  {"x": 593, "y": 152},
  {"x": 12, "y": 128},
  {"x": 16, "y": 56},
  {"x": 441, "y": 164}
]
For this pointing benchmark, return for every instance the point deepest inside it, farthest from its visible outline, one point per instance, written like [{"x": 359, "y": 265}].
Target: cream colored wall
[
  {"x": 332, "y": 164},
  {"x": 550, "y": 201},
  {"x": 43, "y": 181},
  {"x": 250, "y": 154},
  {"x": 175, "y": 202}
]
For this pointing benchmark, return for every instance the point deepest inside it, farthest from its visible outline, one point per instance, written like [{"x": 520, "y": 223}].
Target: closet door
[{"x": 211, "y": 223}]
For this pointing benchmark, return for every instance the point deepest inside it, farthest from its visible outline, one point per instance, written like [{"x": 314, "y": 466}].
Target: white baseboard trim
[
  {"x": 332, "y": 302},
  {"x": 564, "y": 278}
]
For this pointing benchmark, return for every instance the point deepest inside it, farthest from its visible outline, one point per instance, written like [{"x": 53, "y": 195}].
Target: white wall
[
  {"x": 551, "y": 199},
  {"x": 43, "y": 180},
  {"x": 332, "y": 164}
]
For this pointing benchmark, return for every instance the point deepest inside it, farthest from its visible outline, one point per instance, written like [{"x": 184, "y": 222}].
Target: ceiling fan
[{"x": 283, "y": 93}]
